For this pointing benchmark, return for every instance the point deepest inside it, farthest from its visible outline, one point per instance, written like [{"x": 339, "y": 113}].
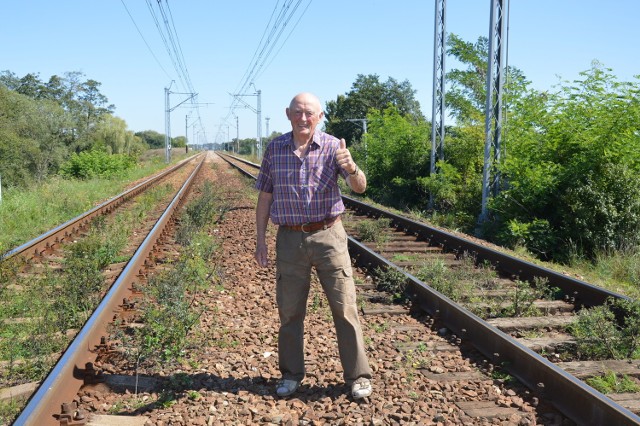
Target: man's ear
[
  {"x": 321, "y": 116},
  {"x": 286, "y": 111}
]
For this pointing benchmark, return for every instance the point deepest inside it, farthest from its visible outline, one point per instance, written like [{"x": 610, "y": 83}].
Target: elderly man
[{"x": 298, "y": 184}]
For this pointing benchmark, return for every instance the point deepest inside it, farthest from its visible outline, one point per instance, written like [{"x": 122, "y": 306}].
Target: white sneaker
[
  {"x": 361, "y": 388},
  {"x": 286, "y": 387}
]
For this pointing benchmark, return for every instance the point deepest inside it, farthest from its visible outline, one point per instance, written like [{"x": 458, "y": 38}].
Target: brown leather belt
[{"x": 313, "y": 226}]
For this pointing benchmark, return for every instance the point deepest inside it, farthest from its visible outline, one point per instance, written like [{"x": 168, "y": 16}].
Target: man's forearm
[
  {"x": 262, "y": 216},
  {"x": 357, "y": 181}
]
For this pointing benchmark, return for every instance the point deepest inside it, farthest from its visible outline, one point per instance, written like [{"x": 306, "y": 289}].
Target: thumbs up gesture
[{"x": 343, "y": 158}]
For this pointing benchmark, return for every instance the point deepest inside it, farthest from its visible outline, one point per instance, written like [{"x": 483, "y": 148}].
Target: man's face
[{"x": 304, "y": 115}]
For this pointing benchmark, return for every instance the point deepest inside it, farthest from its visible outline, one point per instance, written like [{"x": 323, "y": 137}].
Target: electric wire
[
  {"x": 258, "y": 74},
  {"x": 144, "y": 39},
  {"x": 164, "y": 39},
  {"x": 264, "y": 52},
  {"x": 165, "y": 25}
]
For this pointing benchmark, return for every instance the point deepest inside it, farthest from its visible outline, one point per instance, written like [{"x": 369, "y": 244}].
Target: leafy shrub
[
  {"x": 537, "y": 236},
  {"x": 604, "y": 210},
  {"x": 392, "y": 281},
  {"x": 611, "y": 330},
  {"x": 373, "y": 230},
  {"x": 90, "y": 164}
]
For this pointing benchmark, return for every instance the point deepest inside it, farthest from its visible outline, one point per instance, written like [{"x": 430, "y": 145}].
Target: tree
[
  {"x": 397, "y": 156},
  {"x": 178, "y": 142},
  {"x": 82, "y": 100},
  {"x": 575, "y": 166},
  {"x": 466, "y": 94},
  {"x": 94, "y": 104},
  {"x": 112, "y": 136},
  {"x": 152, "y": 138},
  {"x": 368, "y": 94},
  {"x": 42, "y": 123},
  {"x": 33, "y": 136}
]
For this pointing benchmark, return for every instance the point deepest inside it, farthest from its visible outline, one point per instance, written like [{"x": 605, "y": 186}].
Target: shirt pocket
[{"x": 326, "y": 178}]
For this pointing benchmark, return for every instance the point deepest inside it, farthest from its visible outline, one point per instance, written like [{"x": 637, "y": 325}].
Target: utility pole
[
  {"x": 267, "y": 120},
  {"x": 167, "y": 119},
  {"x": 237, "y": 134},
  {"x": 258, "y": 111},
  {"x": 438, "y": 105},
  {"x": 493, "y": 108},
  {"x": 186, "y": 135},
  {"x": 259, "y": 123}
]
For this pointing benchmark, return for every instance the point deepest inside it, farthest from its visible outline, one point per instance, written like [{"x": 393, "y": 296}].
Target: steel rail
[
  {"x": 585, "y": 294},
  {"x": 242, "y": 160},
  {"x": 50, "y": 239},
  {"x": 578, "y": 401},
  {"x": 66, "y": 378},
  {"x": 575, "y": 399}
]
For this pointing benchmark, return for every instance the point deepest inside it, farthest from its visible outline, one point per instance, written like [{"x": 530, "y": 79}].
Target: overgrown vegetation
[
  {"x": 393, "y": 282},
  {"x": 25, "y": 214},
  {"x": 42, "y": 309},
  {"x": 612, "y": 383},
  {"x": 609, "y": 331},
  {"x": 169, "y": 306},
  {"x": 44, "y": 123},
  {"x": 90, "y": 164},
  {"x": 373, "y": 230},
  {"x": 470, "y": 285},
  {"x": 570, "y": 171}
]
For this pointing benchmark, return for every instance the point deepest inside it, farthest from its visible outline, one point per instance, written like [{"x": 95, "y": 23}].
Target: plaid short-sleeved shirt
[{"x": 304, "y": 190}]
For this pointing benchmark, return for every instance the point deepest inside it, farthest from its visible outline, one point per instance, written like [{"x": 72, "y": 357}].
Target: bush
[
  {"x": 604, "y": 210},
  {"x": 611, "y": 330},
  {"x": 537, "y": 236},
  {"x": 90, "y": 164}
]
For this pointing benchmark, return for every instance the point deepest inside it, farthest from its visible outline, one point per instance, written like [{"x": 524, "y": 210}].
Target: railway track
[
  {"x": 514, "y": 312},
  {"x": 39, "y": 262},
  {"x": 431, "y": 363}
]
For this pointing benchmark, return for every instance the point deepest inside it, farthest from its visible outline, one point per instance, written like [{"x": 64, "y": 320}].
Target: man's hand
[
  {"x": 343, "y": 158},
  {"x": 261, "y": 255}
]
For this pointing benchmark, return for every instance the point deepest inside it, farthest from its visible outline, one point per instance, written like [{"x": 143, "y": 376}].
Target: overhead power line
[
  {"x": 144, "y": 39},
  {"x": 162, "y": 17},
  {"x": 269, "y": 41}
]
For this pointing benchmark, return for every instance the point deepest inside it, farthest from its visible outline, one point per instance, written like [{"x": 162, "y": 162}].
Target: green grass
[
  {"x": 9, "y": 410},
  {"x": 373, "y": 230},
  {"x": 618, "y": 271},
  {"x": 43, "y": 306},
  {"x": 25, "y": 214},
  {"x": 612, "y": 383}
]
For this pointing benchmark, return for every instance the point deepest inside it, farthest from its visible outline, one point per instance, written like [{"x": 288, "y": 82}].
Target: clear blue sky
[{"x": 321, "y": 50}]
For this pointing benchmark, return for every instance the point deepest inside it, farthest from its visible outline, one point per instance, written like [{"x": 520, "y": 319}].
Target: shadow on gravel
[{"x": 183, "y": 386}]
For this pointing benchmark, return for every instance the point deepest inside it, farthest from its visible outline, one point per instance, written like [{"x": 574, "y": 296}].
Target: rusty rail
[{"x": 51, "y": 404}]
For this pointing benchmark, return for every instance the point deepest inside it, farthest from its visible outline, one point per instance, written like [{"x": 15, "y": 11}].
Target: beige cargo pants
[{"x": 326, "y": 250}]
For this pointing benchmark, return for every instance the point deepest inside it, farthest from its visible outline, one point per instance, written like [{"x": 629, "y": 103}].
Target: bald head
[{"x": 306, "y": 98}]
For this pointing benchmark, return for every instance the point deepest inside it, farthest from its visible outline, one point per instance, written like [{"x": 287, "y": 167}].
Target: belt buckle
[{"x": 303, "y": 225}]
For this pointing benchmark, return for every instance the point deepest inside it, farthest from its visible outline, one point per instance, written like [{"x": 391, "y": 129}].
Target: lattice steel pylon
[
  {"x": 438, "y": 106},
  {"x": 493, "y": 111}
]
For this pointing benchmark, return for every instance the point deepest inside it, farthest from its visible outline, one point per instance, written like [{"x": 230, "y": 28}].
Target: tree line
[
  {"x": 570, "y": 163},
  {"x": 47, "y": 125}
]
